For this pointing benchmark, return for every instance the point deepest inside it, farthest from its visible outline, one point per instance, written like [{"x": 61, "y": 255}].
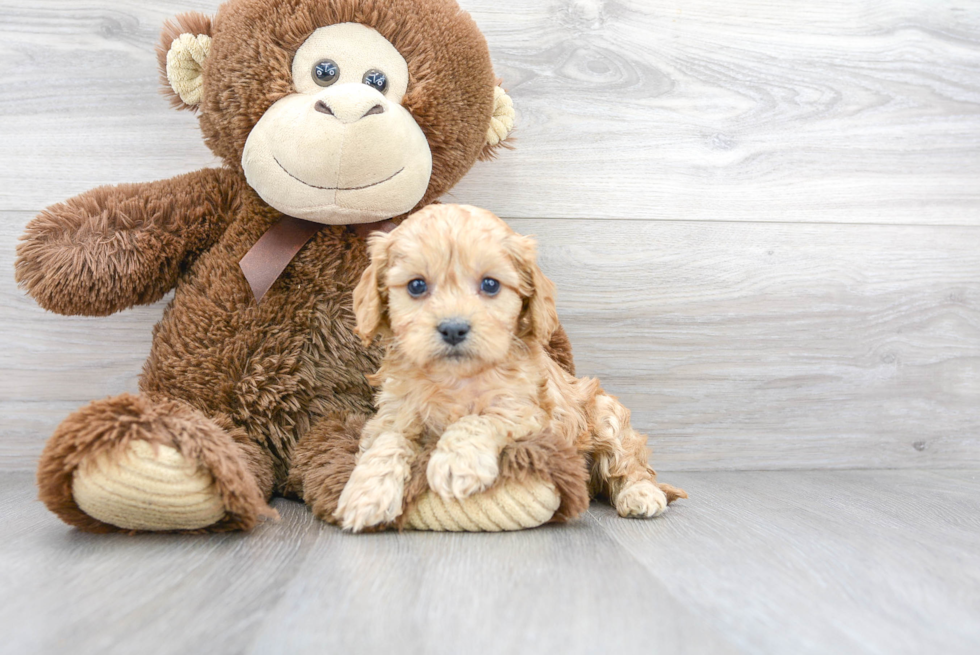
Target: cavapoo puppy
[{"x": 466, "y": 314}]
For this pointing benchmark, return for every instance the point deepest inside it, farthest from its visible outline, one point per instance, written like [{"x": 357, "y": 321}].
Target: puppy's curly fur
[{"x": 466, "y": 314}]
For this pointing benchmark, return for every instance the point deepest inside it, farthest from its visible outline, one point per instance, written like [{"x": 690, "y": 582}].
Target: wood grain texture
[
  {"x": 755, "y": 562},
  {"x": 746, "y": 346},
  {"x": 736, "y": 308},
  {"x": 823, "y": 562},
  {"x": 779, "y": 346},
  {"x": 737, "y": 344},
  {"x": 697, "y": 110}
]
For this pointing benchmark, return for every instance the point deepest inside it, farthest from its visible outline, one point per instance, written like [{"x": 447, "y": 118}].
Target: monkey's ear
[
  {"x": 184, "y": 45},
  {"x": 501, "y": 123},
  {"x": 539, "y": 316},
  {"x": 370, "y": 294}
]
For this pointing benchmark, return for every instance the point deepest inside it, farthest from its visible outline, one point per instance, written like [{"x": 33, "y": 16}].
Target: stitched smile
[{"x": 337, "y": 188}]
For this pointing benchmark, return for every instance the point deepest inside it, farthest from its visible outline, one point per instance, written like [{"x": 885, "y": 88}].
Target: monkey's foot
[
  {"x": 509, "y": 505},
  {"x": 147, "y": 487},
  {"x": 132, "y": 463}
]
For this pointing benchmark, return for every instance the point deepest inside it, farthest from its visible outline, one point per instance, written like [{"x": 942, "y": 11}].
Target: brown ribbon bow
[
  {"x": 268, "y": 258},
  {"x": 271, "y": 254}
]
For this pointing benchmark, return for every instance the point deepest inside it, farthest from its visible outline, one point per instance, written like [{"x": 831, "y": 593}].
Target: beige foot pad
[
  {"x": 509, "y": 506},
  {"x": 148, "y": 488}
]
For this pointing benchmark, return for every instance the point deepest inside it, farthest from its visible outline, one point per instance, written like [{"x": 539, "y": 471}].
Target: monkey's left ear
[
  {"x": 501, "y": 123},
  {"x": 184, "y": 45}
]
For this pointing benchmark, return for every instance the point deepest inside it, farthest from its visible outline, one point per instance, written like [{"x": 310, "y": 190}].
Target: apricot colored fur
[{"x": 464, "y": 404}]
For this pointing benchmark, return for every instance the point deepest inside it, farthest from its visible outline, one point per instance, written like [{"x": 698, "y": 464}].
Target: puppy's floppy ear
[
  {"x": 371, "y": 294},
  {"x": 539, "y": 317}
]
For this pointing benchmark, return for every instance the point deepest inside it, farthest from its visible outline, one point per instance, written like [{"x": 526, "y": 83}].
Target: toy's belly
[{"x": 273, "y": 367}]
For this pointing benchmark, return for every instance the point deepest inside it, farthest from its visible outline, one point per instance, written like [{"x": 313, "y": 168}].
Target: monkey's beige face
[
  {"x": 341, "y": 149},
  {"x": 453, "y": 289}
]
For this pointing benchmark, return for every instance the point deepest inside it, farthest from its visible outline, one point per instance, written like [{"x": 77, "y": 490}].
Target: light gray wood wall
[{"x": 763, "y": 217}]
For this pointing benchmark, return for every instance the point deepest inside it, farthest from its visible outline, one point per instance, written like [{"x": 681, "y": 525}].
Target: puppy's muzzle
[{"x": 454, "y": 331}]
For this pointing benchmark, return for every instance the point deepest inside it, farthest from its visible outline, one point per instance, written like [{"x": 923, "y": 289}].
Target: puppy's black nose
[{"x": 453, "y": 331}]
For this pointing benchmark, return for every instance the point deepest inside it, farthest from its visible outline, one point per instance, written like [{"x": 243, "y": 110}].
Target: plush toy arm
[{"x": 118, "y": 246}]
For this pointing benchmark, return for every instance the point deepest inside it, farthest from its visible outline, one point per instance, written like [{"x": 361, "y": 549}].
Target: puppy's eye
[
  {"x": 417, "y": 287},
  {"x": 376, "y": 80},
  {"x": 325, "y": 72},
  {"x": 490, "y": 286}
]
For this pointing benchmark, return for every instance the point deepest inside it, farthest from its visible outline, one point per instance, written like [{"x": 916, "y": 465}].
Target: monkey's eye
[
  {"x": 325, "y": 72},
  {"x": 417, "y": 288},
  {"x": 490, "y": 286},
  {"x": 376, "y": 80}
]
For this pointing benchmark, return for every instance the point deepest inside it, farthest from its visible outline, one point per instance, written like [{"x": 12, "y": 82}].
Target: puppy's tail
[{"x": 672, "y": 493}]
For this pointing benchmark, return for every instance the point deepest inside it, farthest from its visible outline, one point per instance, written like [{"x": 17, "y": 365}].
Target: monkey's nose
[
  {"x": 453, "y": 331},
  {"x": 347, "y": 114}
]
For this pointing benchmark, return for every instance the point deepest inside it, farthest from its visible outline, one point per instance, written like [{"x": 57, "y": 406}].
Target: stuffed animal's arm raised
[{"x": 118, "y": 246}]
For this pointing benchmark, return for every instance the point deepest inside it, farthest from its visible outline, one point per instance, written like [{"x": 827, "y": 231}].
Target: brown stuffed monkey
[{"x": 327, "y": 114}]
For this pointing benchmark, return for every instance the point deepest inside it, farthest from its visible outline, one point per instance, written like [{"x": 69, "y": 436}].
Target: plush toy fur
[
  {"x": 265, "y": 398},
  {"x": 466, "y": 314}
]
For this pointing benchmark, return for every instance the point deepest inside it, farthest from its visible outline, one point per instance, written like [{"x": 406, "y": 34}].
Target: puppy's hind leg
[{"x": 620, "y": 462}]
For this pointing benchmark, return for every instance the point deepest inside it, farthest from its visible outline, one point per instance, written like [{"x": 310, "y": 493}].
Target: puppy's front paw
[
  {"x": 642, "y": 499},
  {"x": 461, "y": 472},
  {"x": 369, "y": 500}
]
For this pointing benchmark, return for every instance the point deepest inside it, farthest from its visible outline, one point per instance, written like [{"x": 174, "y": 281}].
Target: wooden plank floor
[{"x": 755, "y": 562}]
